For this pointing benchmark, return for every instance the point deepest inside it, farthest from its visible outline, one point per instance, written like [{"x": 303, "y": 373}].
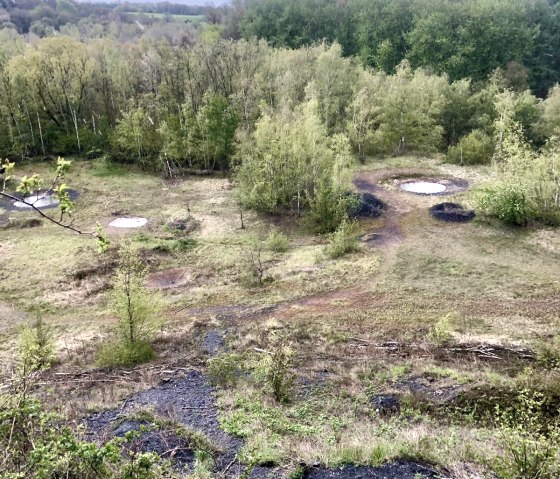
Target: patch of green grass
[
  {"x": 118, "y": 354},
  {"x": 333, "y": 432},
  {"x": 104, "y": 168}
]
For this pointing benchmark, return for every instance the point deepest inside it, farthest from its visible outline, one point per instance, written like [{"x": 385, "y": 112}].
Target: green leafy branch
[{"x": 31, "y": 184}]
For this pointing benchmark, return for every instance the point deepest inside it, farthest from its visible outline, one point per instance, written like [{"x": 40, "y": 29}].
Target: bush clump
[
  {"x": 531, "y": 441},
  {"x": 472, "y": 149},
  {"x": 343, "y": 240},
  {"x": 274, "y": 370},
  {"x": 507, "y": 202},
  {"x": 124, "y": 353},
  {"x": 440, "y": 332},
  {"x": 37, "y": 347},
  {"x": 329, "y": 207},
  {"x": 277, "y": 241},
  {"x": 548, "y": 355},
  {"x": 226, "y": 369}
]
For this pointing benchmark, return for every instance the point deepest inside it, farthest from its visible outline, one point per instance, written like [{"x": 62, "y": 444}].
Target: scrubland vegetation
[{"x": 284, "y": 309}]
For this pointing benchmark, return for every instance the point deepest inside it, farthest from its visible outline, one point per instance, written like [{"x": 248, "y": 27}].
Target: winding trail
[{"x": 384, "y": 234}]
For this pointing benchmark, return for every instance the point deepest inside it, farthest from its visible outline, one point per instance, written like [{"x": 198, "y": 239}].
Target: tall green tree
[
  {"x": 287, "y": 156},
  {"x": 410, "y": 112},
  {"x": 470, "y": 39}
]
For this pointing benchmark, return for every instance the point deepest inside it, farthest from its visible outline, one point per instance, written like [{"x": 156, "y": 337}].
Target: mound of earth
[
  {"x": 167, "y": 444},
  {"x": 395, "y": 470},
  {"x": 367, "y": 206},
  {"x": 386, "y": 404},
  {"x": 452, "y": 212}
]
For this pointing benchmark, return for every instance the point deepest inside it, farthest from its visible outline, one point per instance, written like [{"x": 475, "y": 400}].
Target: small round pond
[
  {"x": 423, "y": 187},
  {"x": 41, "y": 200},
  {"x": 128, "y": 222}
]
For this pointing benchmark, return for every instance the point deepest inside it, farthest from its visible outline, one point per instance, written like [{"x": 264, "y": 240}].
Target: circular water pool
[
  {"x": 423, "y": 187},
  {"x": 42, "y": 200},
  {"x": 128, "y": 222}
]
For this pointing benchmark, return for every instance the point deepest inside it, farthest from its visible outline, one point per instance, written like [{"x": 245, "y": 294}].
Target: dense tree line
[
  {"x": 465, "y": 39},
  {"x": 166, "y": 106}
]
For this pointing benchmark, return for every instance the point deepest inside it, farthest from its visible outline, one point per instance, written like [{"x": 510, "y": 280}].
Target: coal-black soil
[
  {"x": 367, "y": 206},
  {"x": 395, "y": 470},
  {"x": 452, "y": 212},
  {"x": 386, "y": 404},
  {"x": 183, "y": 225},
  {"x": 166, "y": 444},
  {"x": 213, "y": 342},
  {"x": 261, "y": 472},
  {"x": 188, "y": 401}
]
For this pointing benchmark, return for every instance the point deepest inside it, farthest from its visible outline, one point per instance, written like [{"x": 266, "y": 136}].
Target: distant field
[{"x": 181, "y": 18}]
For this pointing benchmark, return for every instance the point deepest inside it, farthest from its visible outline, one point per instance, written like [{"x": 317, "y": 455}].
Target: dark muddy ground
[
  {"x": 166, "y": 444},
  {"x": 395, "y": 470},
  {"x": 452, "y": 212},
  {"x": 189, "y": 402},
  {"x": 213, "y": 342}
]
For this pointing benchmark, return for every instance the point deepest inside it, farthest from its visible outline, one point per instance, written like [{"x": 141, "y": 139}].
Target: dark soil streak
[
  {"x": 395, "y": 470},
  {"x": 188, "y": 401}
]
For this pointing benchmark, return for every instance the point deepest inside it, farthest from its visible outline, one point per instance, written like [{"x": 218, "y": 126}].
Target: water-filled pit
[
  {"x": 128, "y": 222},
  {"x": 40, "y": 200},
  {"x": 423, "y": 187}
]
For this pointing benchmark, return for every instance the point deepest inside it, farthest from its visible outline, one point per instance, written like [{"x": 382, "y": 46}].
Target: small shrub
[
  {"x": 531, "y": 442},
  {"x": 37, "y": 346},
  {"x": 225, "y": 369},
  {"x": 343, "y": 240},
  {"x": 123, "y": 353},
  {"x": 184, "y": 245},
  {"x": 508, "y": 203},
  {"x": 277, "y": 241},
  {"x": 275, "y": 369},
  {"x": 256, "y": 266},
  {"x": 137, "y": 309},
  {"x": 379, "y": 454},
  {"x": 36, "y": 443},
  {"x": 548, "y": 355},
  {"x": 329, "y": 207},
  {"x": 474, "y": 148},
  {"x": 351, "y": 454},
  {"x": 440, "y": 332},
  {"x": 298, "y": 472}
]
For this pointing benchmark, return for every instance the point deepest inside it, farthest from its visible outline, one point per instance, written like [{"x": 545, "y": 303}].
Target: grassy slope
[{"x": 494, "y": 286}]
